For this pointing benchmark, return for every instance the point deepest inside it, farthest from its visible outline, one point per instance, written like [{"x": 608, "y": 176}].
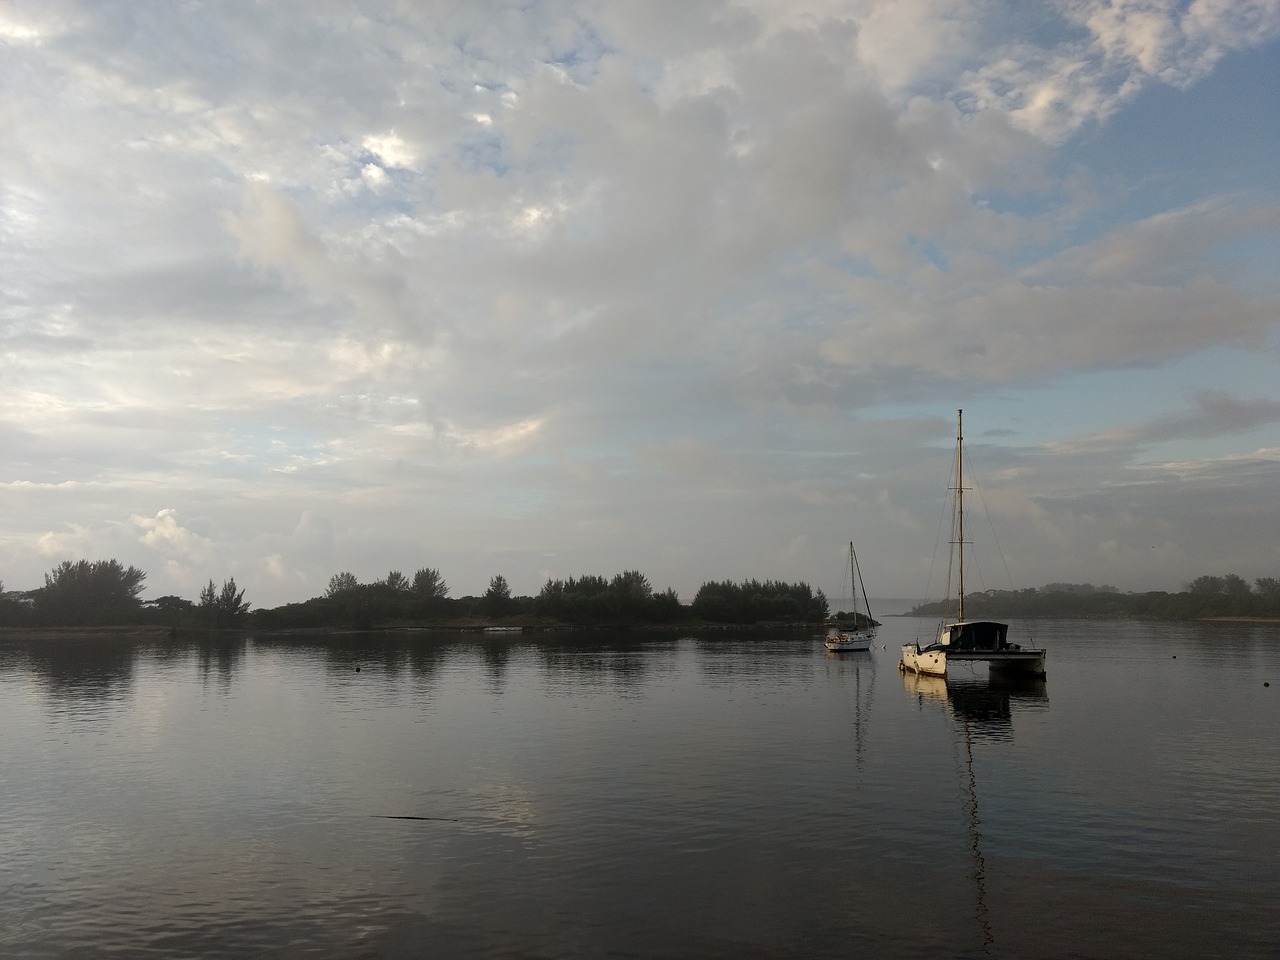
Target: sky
[{"x": 689, "y": 287}]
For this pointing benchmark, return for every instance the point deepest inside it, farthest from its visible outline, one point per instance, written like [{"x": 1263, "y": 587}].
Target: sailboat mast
[
  {"x": 960, "y": 504},
  {"x": 853, "y": 584},
  {"x": 853, "y": 557}
]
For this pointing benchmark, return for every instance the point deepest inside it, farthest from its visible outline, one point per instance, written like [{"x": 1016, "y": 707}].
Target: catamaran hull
[
  {"x": 934, "y": 662},
  {"x": 1025, "y": 662},
  {"x": 929, "y": 662}
]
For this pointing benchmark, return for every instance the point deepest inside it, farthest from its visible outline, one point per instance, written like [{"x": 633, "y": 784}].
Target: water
[{"x": 588, "y": 797}]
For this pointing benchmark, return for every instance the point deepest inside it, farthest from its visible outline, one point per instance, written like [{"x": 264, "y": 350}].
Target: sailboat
[
  {"x": 967, "y": 641},
  {"x": 841, "y": 638}
]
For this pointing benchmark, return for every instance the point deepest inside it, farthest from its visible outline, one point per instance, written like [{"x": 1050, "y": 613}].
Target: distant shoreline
[{"x": 160, "y": 633}]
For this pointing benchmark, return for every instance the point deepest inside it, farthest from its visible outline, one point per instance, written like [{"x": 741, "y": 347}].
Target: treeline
[
  {"x": 625, "y": 598},
  {"x": 752, "y": 601},
  {"x": 106, "y": 593},
  {"x": 80, "y": 593},
  {"x": 1204, "y": 597}
]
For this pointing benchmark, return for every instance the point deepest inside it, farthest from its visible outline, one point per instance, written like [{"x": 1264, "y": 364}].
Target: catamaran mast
[{"x": 960, "y": 504}]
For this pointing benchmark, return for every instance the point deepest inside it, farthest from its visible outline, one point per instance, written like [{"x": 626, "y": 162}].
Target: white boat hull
[
  {"x": 932, "y": 663},
  {"x": 847, "y": 643}
]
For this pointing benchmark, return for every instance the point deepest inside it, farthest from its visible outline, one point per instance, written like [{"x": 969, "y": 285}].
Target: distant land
[
  {"x": 90, "y": 595},
  {"x": 1205, "y": 598}
]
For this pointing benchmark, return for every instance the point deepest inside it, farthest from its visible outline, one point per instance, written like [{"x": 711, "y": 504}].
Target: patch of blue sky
[
  {"x": 484, "y": 152},
  {"x": 1028, "y": 204},
  {"x": 929, "y": 250},
  {"x": 404, "y": 195},
  {"x": 254, "y": 449},
  {"x": 853, "y": 266},
  {"x": 1094, "y": 402},
  {"x": 1250, "y": 260},
  {"x": 583, "y": 56},
  {"x": 1173, "y": 146}
]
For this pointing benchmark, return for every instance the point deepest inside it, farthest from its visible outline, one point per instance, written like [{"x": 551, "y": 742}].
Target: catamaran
[
  {"x": 841, "y": 638},
  {"x": 968, "y": 641}
]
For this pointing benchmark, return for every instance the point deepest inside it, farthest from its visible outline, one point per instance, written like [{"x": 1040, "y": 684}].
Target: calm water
[{"x": 707, "y": 798}]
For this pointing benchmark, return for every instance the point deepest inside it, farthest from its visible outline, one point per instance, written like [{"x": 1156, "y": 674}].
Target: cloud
[
  {"x": 1215, "y": 413},
  {"x": 75, "y": 540},
  {"x": 429, "y": 285},
  {"x": 1054, "y": 89},
  {"x": 165, "y": 534},
  {"x": 188, "y": 560},
  {"x": 391, "y": 150},
  {"x": 1173, "y": 42}
]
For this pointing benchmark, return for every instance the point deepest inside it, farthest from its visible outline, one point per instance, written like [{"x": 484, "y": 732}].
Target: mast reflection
[{"x": 983, "y": 710}]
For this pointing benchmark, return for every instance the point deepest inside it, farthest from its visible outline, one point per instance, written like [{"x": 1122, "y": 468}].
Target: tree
[
  {"x": 1234, "y": 585},
  {"x": 497, "y": 599},
  {"x": 341, "y": 583},
  {"x": 223, "y": 608},
  {"x": 80, "y": 592},
  {"x": 429, "y": 585},
  {"x": 1206, "y": 586},
  {"x": 752, "y": 601},
  {"x": 173, "y": 608},
  {"x": 397, "y": 581}
]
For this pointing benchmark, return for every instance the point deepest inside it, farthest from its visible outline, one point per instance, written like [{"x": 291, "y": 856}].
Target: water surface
[{"x": 585, "y": 796}]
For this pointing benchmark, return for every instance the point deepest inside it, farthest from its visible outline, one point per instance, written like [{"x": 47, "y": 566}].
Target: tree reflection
[
  {"x": 219, "y": 657},
  {"x": 387, "y": 653},
  {"x": 618, "y": 660},
  {"x": 97, "y": 669}
]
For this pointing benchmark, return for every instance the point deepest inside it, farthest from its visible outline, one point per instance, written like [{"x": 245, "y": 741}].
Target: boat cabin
[{"x": 975, "y": 635}]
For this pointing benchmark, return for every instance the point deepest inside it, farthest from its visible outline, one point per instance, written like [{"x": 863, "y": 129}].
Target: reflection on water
[
  {"x": 860, "y": 665},
  {"x": 219, "y": 658},
  {"x": 82, "y": 670},
  {"x": 581, "y": 796},
  {"x": 982, "y": 708},
  {"x": 986, "y": 704}
]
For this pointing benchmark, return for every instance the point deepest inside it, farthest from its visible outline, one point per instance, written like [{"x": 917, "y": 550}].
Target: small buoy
[
  {"x": 357, "y": 669},
  {"x": 1175, "y": 656},
  {"x": 1265, "y": 683}
]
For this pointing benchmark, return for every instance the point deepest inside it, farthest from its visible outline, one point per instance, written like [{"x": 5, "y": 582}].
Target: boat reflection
[
  {"x": 859, "y": 663},
  {"x": 984, "y": 704},
  {"x": 983, "y": 710}
]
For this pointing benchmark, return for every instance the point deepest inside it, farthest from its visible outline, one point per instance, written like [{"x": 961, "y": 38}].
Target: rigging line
[
  {"x": 987, "y": 512},
  {"x": 839, "y": 596},
  {"x": 954, "y": 484},
  {"x": 942, "y": 516},
  {"x": 863, "y": 587},
  {"x": 999, "y": 552}
]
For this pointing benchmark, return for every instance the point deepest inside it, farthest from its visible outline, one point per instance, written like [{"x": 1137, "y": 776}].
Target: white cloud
[
  {"x": 65, "y": 544},
  {"x": 165, "y": 534},
  {"x": 391, "y": 150}
]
